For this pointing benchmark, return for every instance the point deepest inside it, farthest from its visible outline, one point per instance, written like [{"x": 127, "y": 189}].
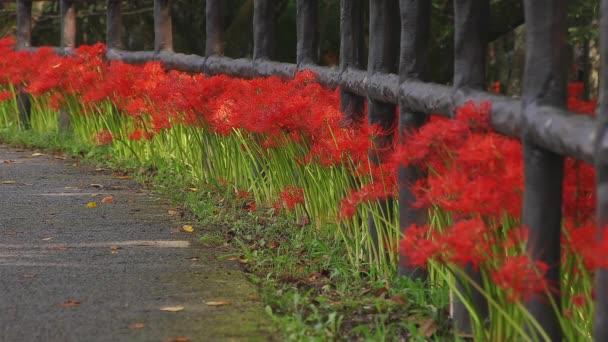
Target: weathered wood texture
[
  {"x": 415, "y": 33},
  {"x": 470, "y": 43},
  {"x": 545, "y": 83},
  {"x": 163, "y": 32},
  {"x": 352, "y": 52},
  {"x": 114, "y": 25},
  {"x": 307, "y": 22},
  {"x": 24, "y": 42},
  {"x": 214, "y": 28},
  {"x": 24, "y": 23},
  {"x": 68, "y": 24},
  {"x": 601, "y": 149},
  {"x": 383, "y": 58},
  {"x": 263, "y": 30}
]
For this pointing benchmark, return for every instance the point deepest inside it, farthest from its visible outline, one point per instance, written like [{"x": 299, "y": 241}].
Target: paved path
[{"x": 72, "y": 273}]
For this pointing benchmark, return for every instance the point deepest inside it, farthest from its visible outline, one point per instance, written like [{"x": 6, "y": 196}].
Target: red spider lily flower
[
  {"x": 136, "y": 107},
  {"x": 243, "y": 194},
  {"x": 104, "y": 137},
  {"x": 290, "y": 196},
  {"x": 601, "y": 251},
  {"x": 580, "y": 299},
  {"x": 5, "y": 95},
  {"x": 141, "y": 134},
  {"x": 56, "y": 101},
  {"x": 466, "y": 243},
  {"x": 418, "y": 245},
  {"x": 521, "y": 278},
  {"x": 496, "y": 87},
  {"x": 581, "y": 241}
]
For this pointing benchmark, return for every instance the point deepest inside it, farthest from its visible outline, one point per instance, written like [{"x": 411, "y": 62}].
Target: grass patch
[{"x": 309, "y": 288}]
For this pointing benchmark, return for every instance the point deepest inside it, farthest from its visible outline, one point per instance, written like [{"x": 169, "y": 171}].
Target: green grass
[{"x": 309, "y": 288}]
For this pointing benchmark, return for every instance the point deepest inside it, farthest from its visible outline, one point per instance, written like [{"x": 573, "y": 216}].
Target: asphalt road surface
[{"x": 71, "y": 272}]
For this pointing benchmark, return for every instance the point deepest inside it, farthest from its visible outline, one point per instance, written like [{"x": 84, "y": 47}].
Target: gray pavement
[{"x": 73, "y": 273}]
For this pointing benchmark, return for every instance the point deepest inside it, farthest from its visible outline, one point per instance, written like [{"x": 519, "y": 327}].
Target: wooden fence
[{"x": 396, "y": 74}]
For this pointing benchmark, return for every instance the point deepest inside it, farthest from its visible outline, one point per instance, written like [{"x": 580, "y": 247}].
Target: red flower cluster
[
  {"x": 291, "y": 196},
  {"x": 473, "y": 174},
  {"x": 521, "y": 278},
  {"x": 476, "y": 176},
  {"x": 279, "y": 111},
  {"x": 104, "y": 137}
]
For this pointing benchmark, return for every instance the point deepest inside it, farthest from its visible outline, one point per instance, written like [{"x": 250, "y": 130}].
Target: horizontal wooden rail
[{"x": 558, "y": 130}]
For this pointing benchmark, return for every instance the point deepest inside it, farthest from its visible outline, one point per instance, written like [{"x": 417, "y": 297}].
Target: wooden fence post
[
  {"x": 384, "y": 36},
  {"x": 263, "y": 30},
  {"x": 163, "y": 34},
  {"x": 307, "y": 22},
  {"x": 470, "y": 44},
  {"x": 415, "y": 34},
  {"x": 68, "y": 43},
  {"x": 600, "y": 332},
  {"x": 24, "y": 24},
  {"x": 68, "y": 25},
  {"x": 544, "y": 83},
  {"x": 114, "y": 25},
  {"x": 24, "y": 40},
  {"x": 214, "y": 28},
  {"x": 352, "y": 52}
]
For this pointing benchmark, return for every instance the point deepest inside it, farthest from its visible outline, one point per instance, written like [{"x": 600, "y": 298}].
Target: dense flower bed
[{"x": 284, "y": 146}]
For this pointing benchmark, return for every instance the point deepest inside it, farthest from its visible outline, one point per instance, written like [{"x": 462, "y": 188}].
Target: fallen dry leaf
[
  {"x": 178, "y": 339},
  {"x": 47, "y": 239},
  {"x": 399, "y": 299},
  {"x": 61, "y": 157},
  {"x": 122, "y": 177},
  {"x": 273, "y": 245},
  {"x": 8, "y": 182},
  {"x": 173, "y": 212},
  {"x": 34, "y": 155},
  {"x": 192, "y": 258},
  {"x": 71, "y": 304},
  {"x": 57, "y": 248},
  {"x": 381, "y": 292},
  {"x": 194, "y": 189},
  {"x": 92, "y": 205},
  {"x": 323, "y": 274},
  {"x": 98, "y": 186},
  {"x": 240, "y": 260},
  {"x": 217, "y": 303},
  {"x": 107, "y": 199},
  {"x": 429, "y": 327},
  {"x": 187, "y": 228},
  {"x": 136, "y": 326},
  {"x": 172, "y": 308}
]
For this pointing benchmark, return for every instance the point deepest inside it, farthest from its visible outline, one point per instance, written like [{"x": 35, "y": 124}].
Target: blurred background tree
[{"x": 506, "y": 34}]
